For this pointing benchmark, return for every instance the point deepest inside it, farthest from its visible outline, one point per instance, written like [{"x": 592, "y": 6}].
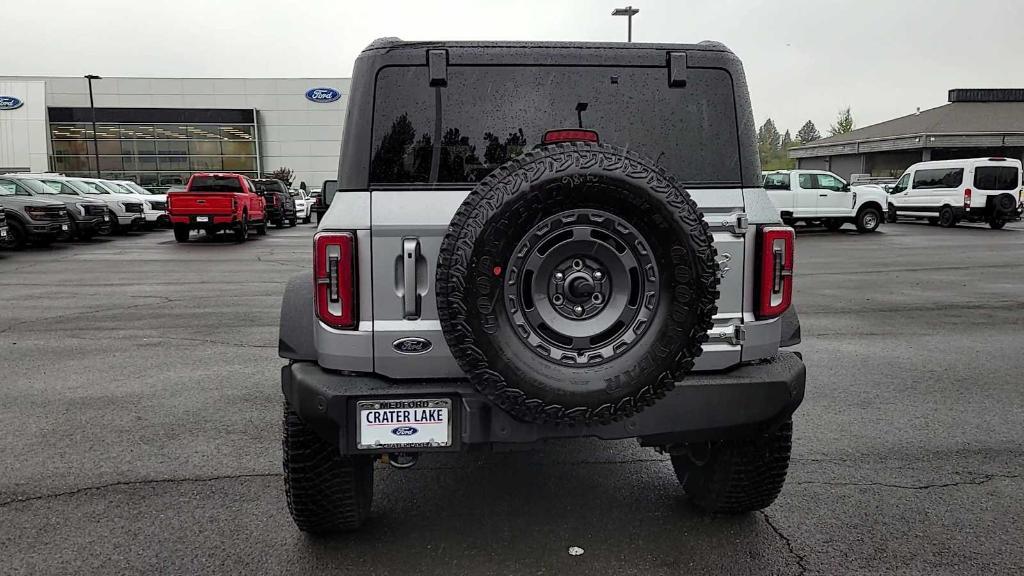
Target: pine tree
[
  {"x": 844, "y": 123},
  {"x": 768, "y": 136},
  {"x": 807, "y": 133},
  {"x": 787, "y": 141}
]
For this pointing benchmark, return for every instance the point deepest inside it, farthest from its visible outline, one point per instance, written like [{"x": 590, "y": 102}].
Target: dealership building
[
  {"x": 158, "y": 131},
  {"x": 975, "y": 123}
]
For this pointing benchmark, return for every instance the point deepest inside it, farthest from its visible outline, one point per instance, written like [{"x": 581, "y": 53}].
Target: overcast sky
[{"x": 805, "y": 59}]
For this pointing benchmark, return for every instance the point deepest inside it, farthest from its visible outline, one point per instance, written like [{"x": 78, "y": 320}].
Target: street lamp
[
  {"x": 92, "y": 108},
  {"x": 628, "y": 12}
]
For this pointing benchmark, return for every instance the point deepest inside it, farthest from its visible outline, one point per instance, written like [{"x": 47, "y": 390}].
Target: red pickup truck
[{"x": 215, "y": 202}]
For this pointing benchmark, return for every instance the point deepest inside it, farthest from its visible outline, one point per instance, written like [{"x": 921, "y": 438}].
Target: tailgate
[
  {"x": 409, "y": 225},
  {"x": 211, "y": 203}
]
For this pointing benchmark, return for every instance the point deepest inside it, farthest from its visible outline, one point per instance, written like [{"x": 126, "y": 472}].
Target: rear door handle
[{"x": 411, "y": 297}]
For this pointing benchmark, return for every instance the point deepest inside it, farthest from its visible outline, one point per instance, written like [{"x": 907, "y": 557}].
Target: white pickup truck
[{"x": 820, "y": 196}]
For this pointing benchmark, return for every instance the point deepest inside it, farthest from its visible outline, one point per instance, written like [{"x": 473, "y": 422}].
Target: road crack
[
  {"x": 124, "y": 483},
  {"x": 801, "y": 560},
  {"x": 983, "y": 479}
]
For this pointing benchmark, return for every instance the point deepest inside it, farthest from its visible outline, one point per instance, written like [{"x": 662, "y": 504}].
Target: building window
[{"x": 155, "y": 155}]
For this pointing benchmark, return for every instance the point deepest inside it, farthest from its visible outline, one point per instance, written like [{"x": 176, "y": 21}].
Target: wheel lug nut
[
  {"x": 557, "y": 299},
  {"x": 559, "y": 276},
  {"x": 578, "y": 310},
  {"x": 598, "y": 275}
]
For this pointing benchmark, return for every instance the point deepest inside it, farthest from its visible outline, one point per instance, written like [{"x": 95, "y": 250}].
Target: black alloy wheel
[{"x": 584, "y": 278}]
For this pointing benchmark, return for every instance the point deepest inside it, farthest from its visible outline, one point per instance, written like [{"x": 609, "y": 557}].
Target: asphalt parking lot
[{"x": 140, "y": 408}]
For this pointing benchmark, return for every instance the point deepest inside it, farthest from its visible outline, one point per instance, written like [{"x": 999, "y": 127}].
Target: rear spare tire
[{"x": 576, "y": 284}]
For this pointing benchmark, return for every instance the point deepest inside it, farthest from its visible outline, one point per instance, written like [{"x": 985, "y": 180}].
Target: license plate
[
  {"x": 389, "y": 424},
  {"x": 64, "y": 227},
  {"x": 202, "y": 218}
]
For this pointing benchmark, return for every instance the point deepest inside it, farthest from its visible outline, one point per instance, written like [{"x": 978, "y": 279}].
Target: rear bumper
[
  {"x": 213, "y": 221},
  {"x": 704, "y": 406}
]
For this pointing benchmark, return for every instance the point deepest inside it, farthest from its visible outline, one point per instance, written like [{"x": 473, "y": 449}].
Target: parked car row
[
  {"x": 39, "y": 209},
  {"x": 42, "y": 208},
  {"x": 215, "y": 202},
  {"x": 944, "y": 192}
]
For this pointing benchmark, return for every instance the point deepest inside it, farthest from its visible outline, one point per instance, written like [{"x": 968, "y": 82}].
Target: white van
[
  {"x": 820, "y": 196},
  {"x": 949, "y": 191}
]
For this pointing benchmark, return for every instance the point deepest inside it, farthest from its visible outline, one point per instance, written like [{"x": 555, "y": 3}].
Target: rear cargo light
[
  {"x": 573, "y": 135},
  {"x": 334, "y": 277},
  {"x": 967, "y": 198},
  {"x": 775, "y": 281}
]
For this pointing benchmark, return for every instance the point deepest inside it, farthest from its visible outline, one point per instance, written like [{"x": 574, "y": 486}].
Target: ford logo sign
[
  {"x": 322, "y": 95},
  {"x": 9, "y": 103},
  {"x": 411, "y": 345},
  {"x": 404, "y": 431}
]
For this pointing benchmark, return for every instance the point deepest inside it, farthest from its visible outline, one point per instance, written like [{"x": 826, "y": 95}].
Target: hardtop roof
[{"x": 392, "y": 43}]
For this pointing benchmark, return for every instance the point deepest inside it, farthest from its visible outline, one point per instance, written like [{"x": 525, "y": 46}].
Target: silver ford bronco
[{"x": 542, "y": 240}]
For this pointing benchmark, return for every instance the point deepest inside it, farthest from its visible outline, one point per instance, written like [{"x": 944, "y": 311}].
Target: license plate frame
[
  {"x": 413, "y": 430},
  {"x": 202, "y": 219}
]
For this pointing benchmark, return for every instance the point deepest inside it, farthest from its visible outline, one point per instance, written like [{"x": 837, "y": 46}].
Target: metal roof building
[{"x": 975, "y": 123}]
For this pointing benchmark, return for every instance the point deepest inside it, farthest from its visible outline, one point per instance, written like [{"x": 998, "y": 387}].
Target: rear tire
[
  {"x": 947, "y": 219},
  {"x": 261, "y": 228},
  {"x": 327, "y": 492},
  {"x": 737, "y": 476},
  {"x": 242, "y": 230},
  {"x": 279, "y": 224},
  {"x": 996, "y": 223},
  {"x": 868, "y": 220},
  {"x": 181, "y": 233},
  {"x": 293, "y": 221},
  {"x": 307, "y": 219}
]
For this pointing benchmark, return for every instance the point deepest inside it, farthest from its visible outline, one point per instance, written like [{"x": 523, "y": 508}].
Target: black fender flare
[
  {"x": 298, "y": 320},
  {"x": 790, "y": 328}
]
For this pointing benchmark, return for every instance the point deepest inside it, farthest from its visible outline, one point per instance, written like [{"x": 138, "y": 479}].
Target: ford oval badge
[
  {"x": 411, "y": 345},
  {"x": 404, "y": 431},
  {"x": 322, "y": 95},
  {"x": 9, "y": 103}
]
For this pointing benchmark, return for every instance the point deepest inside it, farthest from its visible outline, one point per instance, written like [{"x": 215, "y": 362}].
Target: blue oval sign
[
  {"x": 411, "y": 345},
  {"x": 322, "y": 95},
  {"x": 404, "y": 431},
  {"x": 10, "y": 103}
]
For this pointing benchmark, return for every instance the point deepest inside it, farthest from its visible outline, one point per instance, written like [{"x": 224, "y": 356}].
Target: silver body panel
[{"x": 391, "y": 223}]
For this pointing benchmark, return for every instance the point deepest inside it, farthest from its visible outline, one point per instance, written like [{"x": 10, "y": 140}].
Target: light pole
[
  {"x": 628, "y": 12},
  {"x": 92, "y": 108}
]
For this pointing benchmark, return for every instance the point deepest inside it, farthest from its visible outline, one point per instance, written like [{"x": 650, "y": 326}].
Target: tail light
[
  {"x": 334, "y": 276},
  {"x": 967, "y": 198},
  {"x": 775, "y": 280},
  {"x": 573, "y": 135},
  {"x": 234, "y": 204}
]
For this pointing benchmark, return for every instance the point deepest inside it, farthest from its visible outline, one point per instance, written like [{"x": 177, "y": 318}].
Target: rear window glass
[
  {"x": 776, "y": 181},
  {"x": 486, "y": 115},
  {"x": 270, "y": 186},
  {"x": 215, "y": 184},
  {"x": 996, "y": 178},
  {"x": 938, "y": 178}
]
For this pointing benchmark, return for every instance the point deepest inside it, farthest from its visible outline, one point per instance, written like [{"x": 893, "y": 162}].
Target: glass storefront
[{"x": 156, "y": 155}]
